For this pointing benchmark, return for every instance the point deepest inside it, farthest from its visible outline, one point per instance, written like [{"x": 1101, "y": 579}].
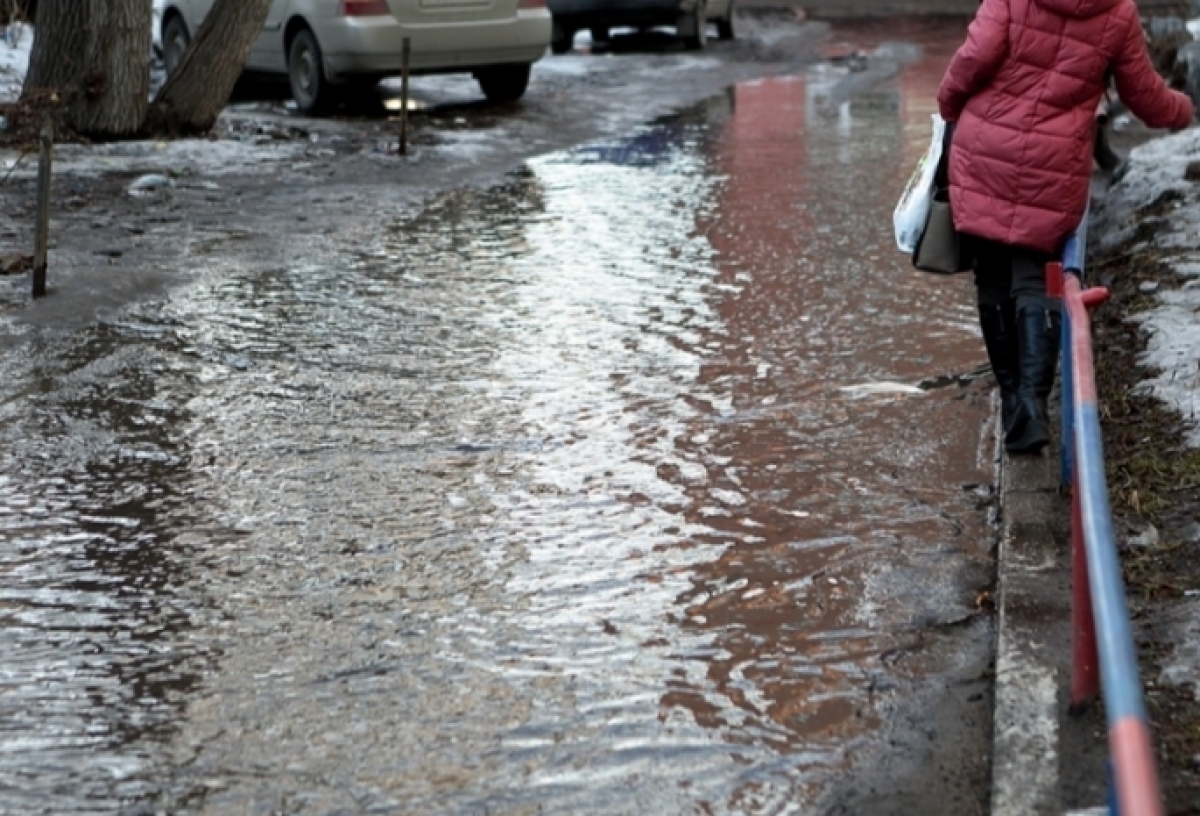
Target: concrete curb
[{"x": 1033, "y": 626}]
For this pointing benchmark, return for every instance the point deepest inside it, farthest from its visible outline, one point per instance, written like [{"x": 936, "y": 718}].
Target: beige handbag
[{"x": 940, "y": 249}]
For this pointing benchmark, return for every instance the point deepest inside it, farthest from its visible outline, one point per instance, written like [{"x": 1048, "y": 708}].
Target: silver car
[{"x": 325, "y": 47}]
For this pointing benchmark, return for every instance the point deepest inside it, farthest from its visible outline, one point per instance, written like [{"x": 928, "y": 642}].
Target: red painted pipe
[
  {"x": 1138, "y": 793},
  {"x": 1054, "y": 280}
]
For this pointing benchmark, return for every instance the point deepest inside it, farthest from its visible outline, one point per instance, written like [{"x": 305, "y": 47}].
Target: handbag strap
[{"x": 941, "y": 177}]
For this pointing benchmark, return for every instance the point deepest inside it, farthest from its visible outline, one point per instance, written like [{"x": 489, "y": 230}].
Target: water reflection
[
  {"x": 845, "y": 528},
  {"x": 551, "y": 498}
]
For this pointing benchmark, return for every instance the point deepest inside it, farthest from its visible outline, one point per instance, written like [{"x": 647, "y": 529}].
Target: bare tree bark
[
  {"x": 116, "y": 81},
  {"x": 199, "y": 89},
  {"x": 60, "y": 39},
  {"x": 92, "y": 57}
]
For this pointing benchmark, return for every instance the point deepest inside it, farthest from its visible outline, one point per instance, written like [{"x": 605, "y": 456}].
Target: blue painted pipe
[{"x": 1074, "y": 256}]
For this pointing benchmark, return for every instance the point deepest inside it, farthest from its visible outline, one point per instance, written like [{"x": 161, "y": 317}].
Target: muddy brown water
[{"x": 611, "y": 489}]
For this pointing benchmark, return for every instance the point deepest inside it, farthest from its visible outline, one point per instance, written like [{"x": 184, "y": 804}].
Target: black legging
[{"x": 1004, "y": 272}]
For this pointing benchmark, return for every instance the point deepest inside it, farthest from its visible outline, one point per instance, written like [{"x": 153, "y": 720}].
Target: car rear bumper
[{"x": 374, "y": 45}]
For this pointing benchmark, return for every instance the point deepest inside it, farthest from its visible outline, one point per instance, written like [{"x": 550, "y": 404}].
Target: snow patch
[
  {"x": 566, "y": 65},
  {"x": 1174, "y": 349},
  {"x": 15, "y": 46},
  {"x": 156, "y": 9},
  {"x": 1172, "y": 324},
  {"x": 1153, "y": 169},
  {"x": 468, "y": 146},
  {"x": 185, "y": 158},
  {"x": 1182, "y": 623}
]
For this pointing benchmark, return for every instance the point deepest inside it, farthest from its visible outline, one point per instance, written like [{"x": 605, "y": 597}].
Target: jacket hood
[{"x": 1081, "y": 9}]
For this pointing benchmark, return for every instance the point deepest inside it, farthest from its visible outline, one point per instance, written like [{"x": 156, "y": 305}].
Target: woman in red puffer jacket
[{"x": 1022, "y": 92}]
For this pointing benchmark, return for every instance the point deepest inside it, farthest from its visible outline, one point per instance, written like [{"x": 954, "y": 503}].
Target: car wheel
[
  {"x": 725, "y": 27},
  {"x": 175, "y": 40},
  {"x": 306, "y": 74},
  {"x": 504, "y": 83},
  {"x": 699, "y": 24},
  {"x": 599, "y": 34},
  {"x": 561, "y": 39}
]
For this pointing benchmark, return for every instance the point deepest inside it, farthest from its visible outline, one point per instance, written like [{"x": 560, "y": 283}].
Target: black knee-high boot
[
  {"x": 999, "y": 327},
  {"x": 1038, "y": 330}
]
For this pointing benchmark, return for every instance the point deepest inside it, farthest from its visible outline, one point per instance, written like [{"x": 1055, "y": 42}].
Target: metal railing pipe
[{"x": 1101, "y": 631}]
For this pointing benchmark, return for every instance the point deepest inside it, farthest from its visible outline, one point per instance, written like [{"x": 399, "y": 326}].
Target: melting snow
[
  {"x": 15, "y": 46},
  {"x": 1172, "y": 324}
]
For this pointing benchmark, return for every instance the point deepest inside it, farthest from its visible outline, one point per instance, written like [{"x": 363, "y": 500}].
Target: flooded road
[{"x": 645, "y": 482}]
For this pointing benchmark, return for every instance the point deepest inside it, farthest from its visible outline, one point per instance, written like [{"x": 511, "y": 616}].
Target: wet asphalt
[{"x": 646, "y": 479}]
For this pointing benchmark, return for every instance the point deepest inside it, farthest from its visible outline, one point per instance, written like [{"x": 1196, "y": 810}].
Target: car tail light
[
  {"x": 531, "y": 4},
  {"x": 364, "y": 8}
]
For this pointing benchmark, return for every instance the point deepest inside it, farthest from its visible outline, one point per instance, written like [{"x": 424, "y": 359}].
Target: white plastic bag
[{"x": 912, "y": 211}]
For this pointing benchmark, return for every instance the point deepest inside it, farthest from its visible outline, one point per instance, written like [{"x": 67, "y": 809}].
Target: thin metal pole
[
  {"x": 405, "y": 50},
  {"x": 41, "y": 241}
]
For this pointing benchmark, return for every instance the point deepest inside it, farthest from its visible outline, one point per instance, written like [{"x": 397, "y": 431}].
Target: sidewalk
[{"x": 1046, "y": 761}]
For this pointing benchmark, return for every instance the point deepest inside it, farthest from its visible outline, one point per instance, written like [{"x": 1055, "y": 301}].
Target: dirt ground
[
  {"x": 1153, "y": 479},
  {"x": 1153, "y": 476}
]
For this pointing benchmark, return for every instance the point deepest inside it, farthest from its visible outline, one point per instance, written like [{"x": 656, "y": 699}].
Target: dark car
[{"x": 690, "y": 18}]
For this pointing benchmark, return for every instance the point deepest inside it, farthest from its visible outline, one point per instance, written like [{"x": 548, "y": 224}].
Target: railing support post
[
  {"x": 405, "y": 55},
  {"x": 41, "y": 240}
]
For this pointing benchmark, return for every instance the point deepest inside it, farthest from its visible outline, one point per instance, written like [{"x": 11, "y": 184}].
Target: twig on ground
[{"x": 16, "y": 164}]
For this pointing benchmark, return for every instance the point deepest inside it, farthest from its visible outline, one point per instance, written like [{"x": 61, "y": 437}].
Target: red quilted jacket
[{"x": 1023, "y": 89}]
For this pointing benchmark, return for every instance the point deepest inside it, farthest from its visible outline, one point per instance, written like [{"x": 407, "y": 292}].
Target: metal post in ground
[
  {"x": 41, "y": 243},
  {"x": 405, "y": 50}
]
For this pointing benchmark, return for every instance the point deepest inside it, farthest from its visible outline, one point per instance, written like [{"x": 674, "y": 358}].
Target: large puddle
[{"x": 613, "y": 489}]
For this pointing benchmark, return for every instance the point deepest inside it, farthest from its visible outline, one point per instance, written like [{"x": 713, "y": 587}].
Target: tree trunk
[
  {"x": 60, "y": 37},
  {"x": 93, "y": 58},
  {"x": 199, "y": 89},
  {"x": 116, "y": 81}
]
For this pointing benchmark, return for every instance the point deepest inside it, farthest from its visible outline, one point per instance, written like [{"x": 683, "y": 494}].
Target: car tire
[
  {"x": 562, "y": 39},
  {"x": 725, "y": 29},
  {"x": 699, "y": 36},
  {"x": 175, "y": 41},
  {"x": 306, "y": 74},
  {"x": 504, "y": 83}
]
